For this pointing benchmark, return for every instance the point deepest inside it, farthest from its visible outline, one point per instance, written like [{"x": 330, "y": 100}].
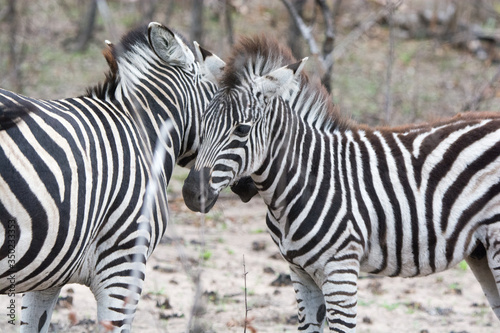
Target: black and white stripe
[
  {"x": 345, "y": 198},
  {"x": 73, "y": 176}
]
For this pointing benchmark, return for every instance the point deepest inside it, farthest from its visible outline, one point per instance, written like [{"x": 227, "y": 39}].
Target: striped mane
[
  {"x": 260, "y": 55},
  {"x": 134, "y": 39},
  {"x": 128, "y": 62}
]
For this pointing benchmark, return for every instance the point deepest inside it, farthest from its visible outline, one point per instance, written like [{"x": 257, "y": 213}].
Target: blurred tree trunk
[
  {"x": 147, "y": 9},
  {"x": 328, "y": 44},
  {"x": 197, "y": 21},
  {"x": 336, "y": 9},
  {"x": 228, "y": 22},
  {"x": 87, "y": 27},
  {"x": 14, "y": 60},
  {"x": 169, "y": 12},
  {"x": 294, "y": 42}
]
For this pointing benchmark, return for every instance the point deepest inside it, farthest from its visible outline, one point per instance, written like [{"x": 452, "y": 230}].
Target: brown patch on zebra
[{"x": 110, "y": 59}]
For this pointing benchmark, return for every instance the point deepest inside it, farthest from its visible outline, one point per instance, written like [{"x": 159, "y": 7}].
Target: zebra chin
[{"x": 197, "y": 193}]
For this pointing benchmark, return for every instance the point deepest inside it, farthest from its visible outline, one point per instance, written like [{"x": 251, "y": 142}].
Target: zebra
[
  {"x": 342, "y": 197},
  {"x": 73, "y": 175}
]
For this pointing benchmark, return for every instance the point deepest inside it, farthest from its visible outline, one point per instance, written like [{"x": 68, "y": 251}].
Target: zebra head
[{"x": 236, "y": 125}]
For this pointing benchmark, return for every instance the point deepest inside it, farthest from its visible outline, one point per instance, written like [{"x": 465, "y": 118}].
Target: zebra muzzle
[{"x": 197, "y": 193}]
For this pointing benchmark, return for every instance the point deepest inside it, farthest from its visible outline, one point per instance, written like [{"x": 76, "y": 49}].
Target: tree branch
[
  {"x": 328, "y": 45},
  {"x": 246, "y": 303},
  {"x": 304, "y": 29},
  {"x": 354, "y": 35}
]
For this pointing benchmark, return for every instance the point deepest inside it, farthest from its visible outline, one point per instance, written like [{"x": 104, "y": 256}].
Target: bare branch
[
  {"x": 304, "y": 29},
  {"x": 354, "y": 35},
  {"x": 246, "y": 303},
  {"x": 328, "y": 45},
  {"x": 324, "y": 58}
]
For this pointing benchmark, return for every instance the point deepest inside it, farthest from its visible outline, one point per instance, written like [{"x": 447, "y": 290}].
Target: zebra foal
[
  {"x": 73, "y": 175},
  {"x": 344, "y": 198}
]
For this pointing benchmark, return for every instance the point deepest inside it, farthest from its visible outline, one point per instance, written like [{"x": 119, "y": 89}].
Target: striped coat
[
  {"x": 73, "y": 176},
  {"x": 344, "y": 198}
]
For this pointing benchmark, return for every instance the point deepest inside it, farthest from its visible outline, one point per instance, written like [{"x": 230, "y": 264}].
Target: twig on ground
[{"x": 246, "y": 303}]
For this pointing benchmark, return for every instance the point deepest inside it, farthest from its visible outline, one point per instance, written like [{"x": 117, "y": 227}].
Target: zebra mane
[
  {"x": 259, "y": 55},
  {"x": 130, "y": 57}
]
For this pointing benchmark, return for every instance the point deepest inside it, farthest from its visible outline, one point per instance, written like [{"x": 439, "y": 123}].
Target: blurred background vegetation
[{"x": 386, "y": 62}]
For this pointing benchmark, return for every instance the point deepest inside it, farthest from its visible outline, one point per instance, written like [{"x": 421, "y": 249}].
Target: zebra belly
[{"x": 408, "y": 264}]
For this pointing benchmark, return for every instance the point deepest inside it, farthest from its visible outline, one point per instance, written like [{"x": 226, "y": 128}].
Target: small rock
[
  {"x": 163, "y": 303},
  {"x": 65, "y": 302},
  {"x": 367, "y": 320},
  {"x": 276, "y": 256},
  {"x": 197, "y": 242},
  {"x": 212, "y": 296},
  {"x": 376, "y": 288},
  {"x": 86, "y": 322},
  {"x": 165, "y": 269},
  {"x": 282, "y": 280},
  {"x": 444, "y": 311},
  {"x": 269, "y": 270},
  {"x": 259, "y": 246},
  {"x": 479, "y": 305},
  {"x": 416, "y": 306},
  {"x": 170, "y": 315},
  {"x": 292, "y": 320}
]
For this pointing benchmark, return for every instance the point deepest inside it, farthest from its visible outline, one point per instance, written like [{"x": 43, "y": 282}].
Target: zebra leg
[
  {"x": 340, "y": 292},
  {"x": 36, "y": 309},
  {"x": 493, "y": 255},
  {"x": 117, "y": 291},
  {"x": 116, "y": 305},
  {"x": 310, "y": 301},
  {"x": 484, "y": 276}
]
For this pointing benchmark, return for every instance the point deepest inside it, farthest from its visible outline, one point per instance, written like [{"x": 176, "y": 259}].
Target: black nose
[{"x": 196, "y": 191}]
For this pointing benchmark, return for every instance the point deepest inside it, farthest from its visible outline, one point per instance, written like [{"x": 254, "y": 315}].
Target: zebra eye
[{"x": 241, "y": 130}]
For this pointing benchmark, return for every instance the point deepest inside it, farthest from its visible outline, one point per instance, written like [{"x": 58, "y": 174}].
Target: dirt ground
[{"x": 451, "y": 301}]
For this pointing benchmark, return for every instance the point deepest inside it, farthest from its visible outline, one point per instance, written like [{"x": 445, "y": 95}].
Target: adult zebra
[
  {"x": 73, "y": 175},
  {"x": 344, "y": 198}
]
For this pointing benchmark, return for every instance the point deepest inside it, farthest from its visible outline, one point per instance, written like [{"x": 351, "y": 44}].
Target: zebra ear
[
  {"x": 211, "y": 66},
  {"x": 281, "y": 80},
  {"x": 168, "y": 46}
]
